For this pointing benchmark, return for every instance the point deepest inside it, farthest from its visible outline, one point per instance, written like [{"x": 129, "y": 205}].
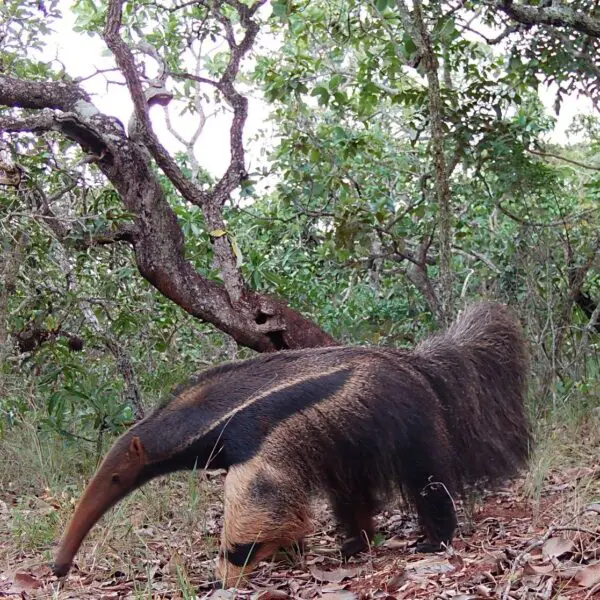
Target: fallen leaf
[
  {"x": 344, "y": 595},
  {"x": 396, "y": 542},
  {"x": 270, "y": 595},
  {"x": 483, "y": 591},
  {"x": 41, "y": 571},
  {"x": 23, "y": 582},
  {"x": 533, "y": 582},
  {"x": 588, "y": 576},
  {"x": 530, "y": 569},
  {"x": 137, "y": 519},
  {"x": 568, "y": 569},
  {"x": 456, "y": 561},
  {"x": 334, "y": 576},
  {"x": 556, "y": 546},
  {"x": 223, "y": 595},
  {"x": 176, "y": 561},
  {"x": 395, "y": 583},
  {"x": 594, "y": 507},
  {"x": 430, "y": 565}
]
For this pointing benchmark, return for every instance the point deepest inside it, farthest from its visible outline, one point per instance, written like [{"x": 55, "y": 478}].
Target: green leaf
[
  {"x": 410, "y": 48},
  {"x": 336, "y": 81},
  {"x": 238, "y": 253},
  {"x": 338, "y": 133},
  {"x": 279, "y": 8},
  {"x": 323, "y": 94}
]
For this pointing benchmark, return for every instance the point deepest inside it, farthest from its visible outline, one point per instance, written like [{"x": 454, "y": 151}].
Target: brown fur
[
  {"x": 248, "y": 518},
  {"x": 357, "y": 424}
]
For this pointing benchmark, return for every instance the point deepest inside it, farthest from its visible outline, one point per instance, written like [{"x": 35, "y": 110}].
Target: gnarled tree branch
[
  {"x": 211, "y": 202},
  {"x": 255, "y": 320},
  {"x": 556, "y": 15}
]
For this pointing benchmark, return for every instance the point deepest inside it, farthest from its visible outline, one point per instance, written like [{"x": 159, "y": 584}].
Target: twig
[
  {"x": 96, "y": 72},
  {"x": 492, "y": 41},
  {"x": 478, "y": 256},
  {"x": 579, "y": 530},
  {"x": 517, "y": 561},
  {"x": 536, "y": 544},
  {"x": 563, "y": 158}
]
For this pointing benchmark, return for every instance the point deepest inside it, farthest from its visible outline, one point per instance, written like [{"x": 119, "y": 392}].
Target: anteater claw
[
  {"x": 353, "y": 546},
  {"x": 429, "y": 547}
]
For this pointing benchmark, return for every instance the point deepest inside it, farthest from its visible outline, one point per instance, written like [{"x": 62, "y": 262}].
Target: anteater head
[{"x": 118, "y": 475}]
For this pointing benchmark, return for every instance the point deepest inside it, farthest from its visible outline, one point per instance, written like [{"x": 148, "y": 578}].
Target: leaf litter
[{"x": 513, "y": 548}]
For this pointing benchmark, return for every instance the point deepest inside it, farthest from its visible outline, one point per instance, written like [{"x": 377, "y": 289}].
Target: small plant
[
  {"x": 194, "y": 495},
  {"x": 183, "y": 581},
  {"x": 34, "y": 530}
]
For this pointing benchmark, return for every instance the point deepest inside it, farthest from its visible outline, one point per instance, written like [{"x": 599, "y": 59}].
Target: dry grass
[{"x": 162, "y": 540}]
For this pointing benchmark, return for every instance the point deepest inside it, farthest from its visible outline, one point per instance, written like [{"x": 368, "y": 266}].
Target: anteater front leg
[
  {"x": 264, "y": 511},
  {"x": 437, "y": 516},
  {"x": 355, "y": 515}
]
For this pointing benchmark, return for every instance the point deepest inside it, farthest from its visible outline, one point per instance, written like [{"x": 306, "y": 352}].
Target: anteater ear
[{"x": 136, "y": 449}]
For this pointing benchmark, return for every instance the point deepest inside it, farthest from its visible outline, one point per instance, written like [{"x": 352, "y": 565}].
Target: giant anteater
[{"x": 357, "y": 424}]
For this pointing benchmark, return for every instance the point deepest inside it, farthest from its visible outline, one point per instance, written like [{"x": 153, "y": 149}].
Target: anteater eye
[{"x": 116, "y": 478}]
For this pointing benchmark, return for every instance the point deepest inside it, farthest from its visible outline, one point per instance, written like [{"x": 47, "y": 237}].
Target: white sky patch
[
  {"x": 82, "y": 55},
  {"x": 571, "y": 107}
]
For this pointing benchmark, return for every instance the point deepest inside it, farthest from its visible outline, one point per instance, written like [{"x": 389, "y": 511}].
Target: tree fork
[{"x": 254, "y": 320}]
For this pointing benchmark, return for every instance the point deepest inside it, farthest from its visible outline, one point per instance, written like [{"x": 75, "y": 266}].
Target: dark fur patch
[
  {"x": 355, "y": 545},
  {"x": 215, "y": 374},
  {"x": 265, "y": 490},
  {"x": 242, "y": 554},
  {"x": 239, "y": 438},
  {"x": 359, "y": 424},
  {"x": 429, "y": 547}
]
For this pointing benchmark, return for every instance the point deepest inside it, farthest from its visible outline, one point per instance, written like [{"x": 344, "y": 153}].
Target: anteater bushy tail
[
  {"x": 478, "y": 369},
  {"x": 355, "y": 423}
]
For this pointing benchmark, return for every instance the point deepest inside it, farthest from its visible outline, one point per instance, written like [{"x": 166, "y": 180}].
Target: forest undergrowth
[{"x": 539, "y": 537}]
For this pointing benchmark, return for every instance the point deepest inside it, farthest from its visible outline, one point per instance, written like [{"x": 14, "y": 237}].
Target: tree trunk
[{"x": 415, "y": 25}]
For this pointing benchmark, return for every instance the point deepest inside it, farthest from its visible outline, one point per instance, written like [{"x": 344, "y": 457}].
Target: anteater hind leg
[
  {"x": 263, "y": 512},
  {"x": 437, "y": 516},
  {"x": 356, "y": 517},
  {"x": 435, "y": 507}
]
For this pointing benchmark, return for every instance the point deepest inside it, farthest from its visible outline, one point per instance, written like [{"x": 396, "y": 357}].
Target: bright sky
[
  {"x": 82, "y": 55},
  {"x": 571, "y": 107}
]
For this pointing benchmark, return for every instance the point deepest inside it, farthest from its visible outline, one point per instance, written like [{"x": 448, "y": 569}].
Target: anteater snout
[{"x": 60, "y": 570}]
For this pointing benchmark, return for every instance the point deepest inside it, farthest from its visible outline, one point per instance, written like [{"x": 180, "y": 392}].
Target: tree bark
[
  {"x": 415, "y": 25},
  {"x": 253, "y": 320},
  {"x": 11, "y": 263},
  {"x": 556, "y": 15}
]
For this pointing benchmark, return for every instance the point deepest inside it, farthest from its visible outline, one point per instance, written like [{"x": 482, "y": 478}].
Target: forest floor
[{"x": 538, "y": 538}]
